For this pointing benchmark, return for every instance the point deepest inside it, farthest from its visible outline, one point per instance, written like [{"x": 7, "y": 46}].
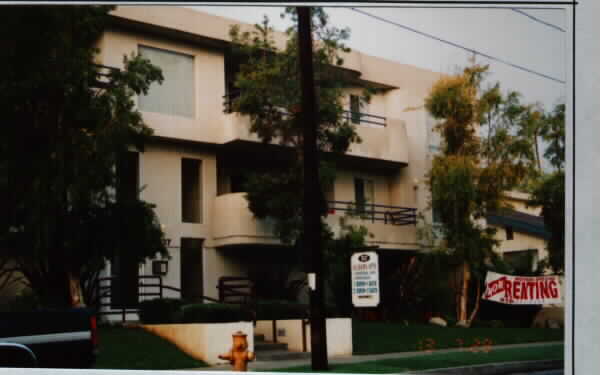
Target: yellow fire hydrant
[{"x": 239, "y": 356}]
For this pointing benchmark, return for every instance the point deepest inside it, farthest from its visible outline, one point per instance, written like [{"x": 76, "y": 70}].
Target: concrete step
[
  {"x": 263, "y": 346},
  {"x": 280, "y": 355}
]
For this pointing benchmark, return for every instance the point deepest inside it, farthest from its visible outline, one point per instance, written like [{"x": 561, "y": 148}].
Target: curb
[{"x": 502, "y": 368}]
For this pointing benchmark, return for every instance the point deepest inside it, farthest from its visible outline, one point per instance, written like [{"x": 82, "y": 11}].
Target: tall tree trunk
[
  {"x": 476, "y": 307},
  {"x": 75, "y": 291},
  {"x": 464, "y": 292}
]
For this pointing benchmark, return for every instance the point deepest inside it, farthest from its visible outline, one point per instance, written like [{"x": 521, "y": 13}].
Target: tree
[
  {"x": 66, "y": 122},
  {"x": 483, "y": 156},
  {"x": 549, "y": 193},
  {"x": 268, "y": 80}
]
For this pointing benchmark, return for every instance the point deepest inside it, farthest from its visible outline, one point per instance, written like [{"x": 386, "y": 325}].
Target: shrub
[
  {"x": 214, "y": 313},
  {"x": 281, "y": 309},
  {"x": 161, "y": 311}
]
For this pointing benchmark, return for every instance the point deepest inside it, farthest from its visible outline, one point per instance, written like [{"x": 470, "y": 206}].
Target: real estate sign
[
  {"x": 365, "y": 279},
  {"x": 522, "y": 290}
]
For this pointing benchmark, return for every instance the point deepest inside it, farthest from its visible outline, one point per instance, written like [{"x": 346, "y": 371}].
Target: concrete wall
[
  {"x": 339, "y": 335},
  {"x": 203, "y": 341}
]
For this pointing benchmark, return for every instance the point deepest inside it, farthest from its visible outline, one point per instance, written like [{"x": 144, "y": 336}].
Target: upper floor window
[
  {"x": 191, "y": 191},
  {"x": 510, "y": 234},
  {"x": 364, "y": 193},
  {"x": 128, "y": 177},
  {"x": 355, "y": 109},
  {"x": 175, "y": 96}
]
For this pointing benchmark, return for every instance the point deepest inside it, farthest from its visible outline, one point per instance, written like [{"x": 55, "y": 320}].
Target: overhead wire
[
  {"x": 471, "y": 50},
  {"x": 538, "y": 19}
]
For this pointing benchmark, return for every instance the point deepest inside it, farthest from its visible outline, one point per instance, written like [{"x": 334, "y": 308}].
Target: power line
[
  {"x": 459, "y": 46},
  {"x": 538, "y": 19}
]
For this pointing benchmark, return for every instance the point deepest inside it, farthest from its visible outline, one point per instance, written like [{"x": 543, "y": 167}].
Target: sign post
[{"x": 365, "y": 279}]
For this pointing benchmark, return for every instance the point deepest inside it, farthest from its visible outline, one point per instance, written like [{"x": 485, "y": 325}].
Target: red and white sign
[{"x": 521, "y": 290}]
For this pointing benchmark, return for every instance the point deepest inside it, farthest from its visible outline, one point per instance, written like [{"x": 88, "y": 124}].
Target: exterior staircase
[{"x": 274, "y": 351}]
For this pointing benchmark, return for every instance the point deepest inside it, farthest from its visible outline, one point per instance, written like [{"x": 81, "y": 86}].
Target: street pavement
[{"x": 259, "y": 365}]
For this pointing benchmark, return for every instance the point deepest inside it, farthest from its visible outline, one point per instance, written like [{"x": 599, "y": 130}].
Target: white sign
[
  {"x": 365, "y": 279},
  {"x": 522, "y": 290}
]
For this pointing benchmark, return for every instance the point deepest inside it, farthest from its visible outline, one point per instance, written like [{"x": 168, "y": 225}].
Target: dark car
[{"x": 57, "y": 339}]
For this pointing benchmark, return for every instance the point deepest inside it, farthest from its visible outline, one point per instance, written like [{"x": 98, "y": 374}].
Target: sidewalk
[{"x": 259, "y": 365}]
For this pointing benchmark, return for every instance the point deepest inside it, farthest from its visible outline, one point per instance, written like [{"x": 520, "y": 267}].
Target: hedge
[
  {"x": 161, "y": 311},
  {"x": 214, "y": 313},
  {"x": 171, "y": 310}
]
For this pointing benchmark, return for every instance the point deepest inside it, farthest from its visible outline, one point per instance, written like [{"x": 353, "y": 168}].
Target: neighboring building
[
  {"x": 192, "y": 168},
  {"x": 521, "y": 232}
]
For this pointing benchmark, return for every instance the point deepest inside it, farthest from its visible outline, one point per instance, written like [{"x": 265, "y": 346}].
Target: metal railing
[
  {"x": 157, "y": 290},
  {"x": 354, "y": 117},
  {"x": 394, "y": 215},
  {"x": 233, "y": 289},
  {"x": 102, "y": 78},
  {"x": 364, "y": 118}
]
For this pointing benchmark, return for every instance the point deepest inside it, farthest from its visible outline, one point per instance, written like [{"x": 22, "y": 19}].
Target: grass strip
[
  {"x": 135, "y": 349},
  {"x": 443, "y": 360},
  {"x": 394, "y": 337}
]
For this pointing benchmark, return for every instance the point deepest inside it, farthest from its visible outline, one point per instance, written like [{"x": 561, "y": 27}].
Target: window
[
  {"x": 355, "y": 109},
  {"x": 510, "y": 235},
  {"x": 522, "y": 261},
  {"x": 175, "y": 95},
  {"x": 364, "y": 193},
  {"x": 191, "y": 191},
  {"x": 128, "y": 165}
]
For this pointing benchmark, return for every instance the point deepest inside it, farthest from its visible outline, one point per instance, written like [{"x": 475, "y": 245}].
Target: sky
[{"x": 502, "y": 33}]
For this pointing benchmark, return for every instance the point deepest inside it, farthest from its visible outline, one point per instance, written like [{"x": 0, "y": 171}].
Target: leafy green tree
[
  {"x": 65, "y": 123},
  {"x": 549, "y": 193},
  {"x": 269, "y": 84},
  {"x": 482, "y": 157}
]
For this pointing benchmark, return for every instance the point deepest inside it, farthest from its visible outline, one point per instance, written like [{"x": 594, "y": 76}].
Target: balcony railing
[
  {"x": 360, "y": 118},
  {"x": 354, "y": 117},
  {"x": 394, "y": 215}
]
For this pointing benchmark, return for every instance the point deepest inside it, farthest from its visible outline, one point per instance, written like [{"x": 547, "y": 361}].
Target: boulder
[{"x": 436, "y": 320}]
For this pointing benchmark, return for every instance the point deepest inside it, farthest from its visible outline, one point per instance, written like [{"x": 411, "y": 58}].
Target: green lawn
[
  {"x": 444, "y": 360},
  {"x": 380, "y": 337},
  {"x": 134, "y": 349}
]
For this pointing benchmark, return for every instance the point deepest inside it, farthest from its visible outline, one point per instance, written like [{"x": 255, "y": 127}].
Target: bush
[
  {"x": 214, "y": 313},
  {"x": 281, "y": 309},
  {"x": 161, "y": 311}
]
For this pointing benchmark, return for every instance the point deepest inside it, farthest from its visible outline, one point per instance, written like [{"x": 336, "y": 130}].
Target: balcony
[
  {"x": 392, "y": 227},
  {"x": 393, "y": 215},
  {"x": 383, "y": 139},
  {"x": 234, "y": 224}
]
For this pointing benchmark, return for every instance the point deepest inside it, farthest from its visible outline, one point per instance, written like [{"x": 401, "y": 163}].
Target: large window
[
  {"x": 175, "y": 95},
  {"x": 191, "y": 191}
]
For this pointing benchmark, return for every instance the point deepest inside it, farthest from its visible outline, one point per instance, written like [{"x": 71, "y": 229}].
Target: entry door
[
  {"x": 191, "y": 262},
  {"x": 124, "y": 287}
]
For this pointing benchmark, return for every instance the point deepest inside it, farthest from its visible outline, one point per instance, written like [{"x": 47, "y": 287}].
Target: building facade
[{"x": 193, "y": 167}]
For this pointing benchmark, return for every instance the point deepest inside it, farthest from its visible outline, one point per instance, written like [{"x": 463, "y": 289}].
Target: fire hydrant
[{"x": 239, "y": 356}]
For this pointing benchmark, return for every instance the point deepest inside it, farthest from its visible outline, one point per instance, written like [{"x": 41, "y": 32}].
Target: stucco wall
[
  {"x": 203, "y": 341},
  {"x": 339, "y": 335}
]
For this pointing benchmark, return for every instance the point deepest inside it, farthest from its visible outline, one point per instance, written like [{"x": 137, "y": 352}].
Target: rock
[
  {"x": 553, "y": 324},
  {"x": 438, "y": 321}
]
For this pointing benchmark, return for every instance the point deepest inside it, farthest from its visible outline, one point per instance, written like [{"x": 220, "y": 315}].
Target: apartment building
[
  {"x": 192, "y": 168},
  {"x": 521, "y": 232}
]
